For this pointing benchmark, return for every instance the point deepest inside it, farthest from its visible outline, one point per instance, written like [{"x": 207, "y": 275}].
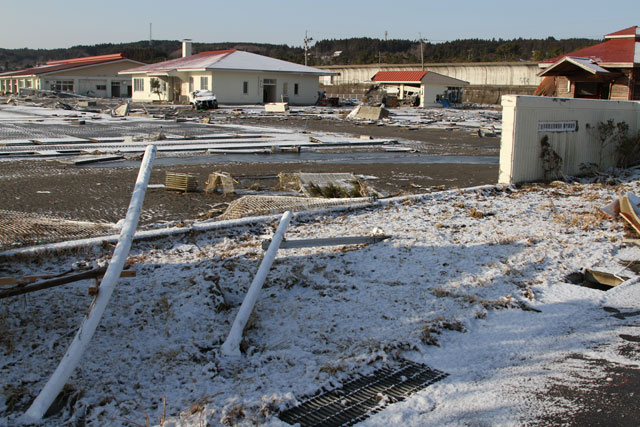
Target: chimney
[{"x": 186, "y": 48}]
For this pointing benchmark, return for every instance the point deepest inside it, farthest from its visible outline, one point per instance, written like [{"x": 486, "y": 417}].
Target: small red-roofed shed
[{"x": 431, "y": 88}]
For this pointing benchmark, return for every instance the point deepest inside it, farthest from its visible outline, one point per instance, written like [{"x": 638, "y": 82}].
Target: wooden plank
[
  {"x": 633, "y": 241},
  {"x": 55, "y": 280}
]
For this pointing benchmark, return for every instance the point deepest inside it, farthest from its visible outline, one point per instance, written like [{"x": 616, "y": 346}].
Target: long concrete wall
[
  {"x": 566, "y": 125},
  {"x": 476, "y": 73}
]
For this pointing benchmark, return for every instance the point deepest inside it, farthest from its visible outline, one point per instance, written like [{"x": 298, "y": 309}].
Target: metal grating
[{"x": 362, "y": 397}]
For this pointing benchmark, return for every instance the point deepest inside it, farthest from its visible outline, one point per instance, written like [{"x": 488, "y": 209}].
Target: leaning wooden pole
[
  {"x": 231, "y": 346},
  {"x": 97, "y": 307}
]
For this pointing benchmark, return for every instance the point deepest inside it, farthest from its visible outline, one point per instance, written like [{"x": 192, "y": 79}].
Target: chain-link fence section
[
  {"x": 269, "y": 205},
  {"x": 18, "y": 229}
]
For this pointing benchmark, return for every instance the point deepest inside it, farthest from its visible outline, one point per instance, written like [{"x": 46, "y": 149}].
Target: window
[
  {"x": 295, "y": 89},
  {"x": 245, "y": 88},
  {"x": 28, "y": 83},
  {"x": 190, "y": 84},
  {"x": 204, "y": 83},
  {"x": 285, "y": 88},
  {"x": 138, "y": 85},
  {"x": 101, "y": 87},
  {"x": 269, "y": 82},
  {"x": 593, "y": 90},
  {"x": 62, "y": 85}
]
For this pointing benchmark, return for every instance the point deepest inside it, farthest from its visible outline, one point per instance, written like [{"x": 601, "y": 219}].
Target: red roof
[
  {"x": 196, "y": 61},
  {"x": 613, "y": 51},
  {"x": 99, "y": 58},
  {"x": 620, "y": 47},
  {"x": 627, "y": 32},
  {"x": 399, "y": 76},
  {"x": 66, "y": 64},
  {"x": 216, "y": 52}
]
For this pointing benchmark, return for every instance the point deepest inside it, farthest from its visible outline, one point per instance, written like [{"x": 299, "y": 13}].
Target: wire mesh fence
[
  {"x": 255, "y": 205},
  {"x": 19, "y": 229}
]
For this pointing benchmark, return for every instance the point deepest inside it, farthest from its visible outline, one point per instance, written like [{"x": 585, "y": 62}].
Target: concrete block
[
  {"x": 276, "y": 107},
  {"x": 369, "y": 113}
]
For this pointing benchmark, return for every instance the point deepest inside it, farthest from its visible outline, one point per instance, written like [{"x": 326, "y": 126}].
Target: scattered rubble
[
  {"x": 220, "y": 181},
  {"x": 121, "y": 111}
]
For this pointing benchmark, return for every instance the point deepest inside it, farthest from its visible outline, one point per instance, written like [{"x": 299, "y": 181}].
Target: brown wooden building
[{"x": 608, "y": 70}]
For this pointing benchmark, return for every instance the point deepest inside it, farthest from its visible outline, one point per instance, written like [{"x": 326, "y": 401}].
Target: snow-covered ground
[{"x": 471, "y": 283}]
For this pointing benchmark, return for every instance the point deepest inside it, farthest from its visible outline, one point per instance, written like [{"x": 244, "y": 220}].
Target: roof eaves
[
  {"x": 83, "y": 66},
  {"x": 627, "y": 33},
  {"x": 616, "y": 64},
  {"x": 187, "y": 70},
  {"x": 596, "y": 68},
  {"x": 132, "y": 72},
  {"x": 256, "y": 70}
]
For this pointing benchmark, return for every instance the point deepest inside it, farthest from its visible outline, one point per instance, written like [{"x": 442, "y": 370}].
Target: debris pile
[
  {"x": 627, "y": 207},
  {"x": 219, "y": 181}
]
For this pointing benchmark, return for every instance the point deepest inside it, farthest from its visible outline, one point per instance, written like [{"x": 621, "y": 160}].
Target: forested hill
[{"x": 324, "y": 52}]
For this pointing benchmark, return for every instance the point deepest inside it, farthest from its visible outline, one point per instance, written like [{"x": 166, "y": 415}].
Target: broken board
[{"x": 629, "y": 210}]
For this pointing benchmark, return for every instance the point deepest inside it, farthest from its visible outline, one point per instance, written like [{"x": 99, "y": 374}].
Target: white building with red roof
[
  {"x": 607, "y": 70},
  {"x": 431, "y": 88},
  {"x": 235, "y": 76},
  {"x": 92, "y": 76}
]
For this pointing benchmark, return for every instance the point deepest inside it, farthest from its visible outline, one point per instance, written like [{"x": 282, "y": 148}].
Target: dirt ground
[
  {"x": 428, "y": 141},
  {"x": 101, "y": 194}
]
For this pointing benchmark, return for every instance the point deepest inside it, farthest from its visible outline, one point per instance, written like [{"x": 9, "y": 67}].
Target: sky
[{"x": 61, "y": 24}]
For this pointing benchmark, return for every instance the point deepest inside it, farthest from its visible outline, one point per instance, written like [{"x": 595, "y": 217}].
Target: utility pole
[
  {"x": 150, "y": 23},
  {"x": 306, "y": 46},
  {"x": 421, "y": 52},
  {"x": 385, "y": 35}
]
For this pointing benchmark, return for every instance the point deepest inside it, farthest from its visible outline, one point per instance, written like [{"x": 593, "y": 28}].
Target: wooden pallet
[{"x": 180, "y": 182}]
